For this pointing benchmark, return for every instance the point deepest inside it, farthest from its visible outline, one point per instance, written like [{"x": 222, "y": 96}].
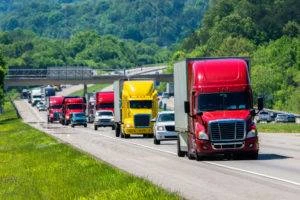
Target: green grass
[
  {"x": 278, "y": 128},
  {"x": 35, "y": 166},
  {"x": 93, "y": 88}
]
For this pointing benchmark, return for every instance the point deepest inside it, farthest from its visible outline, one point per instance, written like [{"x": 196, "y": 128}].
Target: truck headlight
[
  {"x": 112, "y": 120},
  {"x": 252, "y": 133},
  {"x": 128, "y": 125},
  {"x": 67, "y": 117},
  {"x": 202, "y": 135},
  {"x": 160, "y": 128}
]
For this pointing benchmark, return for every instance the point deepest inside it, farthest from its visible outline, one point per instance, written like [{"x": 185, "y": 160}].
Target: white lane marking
[
  {"x": 211, "y": 163},
  {"x": 254, "y": 173}
]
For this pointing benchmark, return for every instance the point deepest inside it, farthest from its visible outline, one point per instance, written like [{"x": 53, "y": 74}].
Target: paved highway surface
[{"x": 275, "y": 175}]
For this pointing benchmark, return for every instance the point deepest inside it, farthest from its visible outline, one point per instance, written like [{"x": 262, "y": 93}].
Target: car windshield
[
  {"x": 56, "y": 106},
  {"x": 105, "y": 113},
  {"x": 79, "y": 115},
  {"x": 263, "y": 113},
  {"x": 75, "y": 106},
  {"x": 37, "y": 96},
  {"x": 141, "y": 104},
  {"x": 224, "y": 101},
  {"x": 105, "y": 105},
  {"x": 166, "y": 117}
]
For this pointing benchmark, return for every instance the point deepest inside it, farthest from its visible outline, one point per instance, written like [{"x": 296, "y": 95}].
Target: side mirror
[
  {"x": 260, "y": 103},
  {"x": 252, "y": 112},
  {"x": 187, "y": 107},
  {"x": 200, "y": 113}
]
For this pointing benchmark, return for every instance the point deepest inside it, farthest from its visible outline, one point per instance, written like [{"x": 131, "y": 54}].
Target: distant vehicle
[
  {"x": 39, "y": 104},
  {"x": 164, "y": 127},
  {"x": 71, "y": 105},
  {"x": 42, "y": 107},
  {"x": 264, "y": 116},
  {"x": 284, "y": 118},
  {"x": 54, "y": 108},
  {"x": 36, "y": 96},
  {"x": 104, "y": 118},
  {"x": 78, "y": 119},
  {"x": 25, "y": 94}
]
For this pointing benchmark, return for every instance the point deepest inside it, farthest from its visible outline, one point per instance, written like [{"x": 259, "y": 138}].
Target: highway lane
[{"x": 275, "y": 175}]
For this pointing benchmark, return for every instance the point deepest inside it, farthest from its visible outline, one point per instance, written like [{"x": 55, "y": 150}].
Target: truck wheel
[
  {"x": 199, "y": 157},
  {"x": 156, "y": 141},
  {"x": 179, "y": 152},
  {"x": 113, "y": 127},
  {"x": 95, "y": 127},
  {"x": 253, "y": 156},
  {"x": 85, "y": 125},
  {"x": 72, "y": 125},
  {"x": 126, "y": 135},
  {"x": 117, "y": 130},
  {"x": 121, "y": 134}
]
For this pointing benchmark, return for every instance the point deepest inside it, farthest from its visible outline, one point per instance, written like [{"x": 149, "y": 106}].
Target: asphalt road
[{"x": 275, "y": 175}]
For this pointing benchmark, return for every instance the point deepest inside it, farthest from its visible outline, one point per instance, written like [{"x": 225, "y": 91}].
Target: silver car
[
  {"x": 104, "y": 118},
  {"x": 164, "y": 127}
]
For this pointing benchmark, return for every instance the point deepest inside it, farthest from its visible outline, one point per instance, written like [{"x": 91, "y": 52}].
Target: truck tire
[
  {"x": 199, "y": 157},
  {"x": 126, "y": 135},
  {"x": 121, "y": 133},
  {"x": 156, "y": 141},
  {"x": 253, "y": 156},
  {"x": 179, "y": 152},
  {"x": 117, "y": 130},
  {"x": 113, "y": 127},
  {"x": 72, "y": 125},
  {"x": 85, "y": 125},
  {"x": 95, "y": 127}
]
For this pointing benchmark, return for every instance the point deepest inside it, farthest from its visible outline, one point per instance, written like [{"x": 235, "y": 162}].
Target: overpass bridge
[{"x": 80, "y": 75}]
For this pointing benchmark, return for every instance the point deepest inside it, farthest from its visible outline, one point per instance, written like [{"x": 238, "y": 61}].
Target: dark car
[{"x": 78, "y": 119}]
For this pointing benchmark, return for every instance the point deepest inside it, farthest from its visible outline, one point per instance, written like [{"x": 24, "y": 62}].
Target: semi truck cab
[{"x": 216, "y": 96}]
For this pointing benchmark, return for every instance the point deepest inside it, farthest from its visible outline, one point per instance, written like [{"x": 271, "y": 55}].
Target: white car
[
  {"x": 164, "y": 127},
  {"x": 104, "y": 118}
]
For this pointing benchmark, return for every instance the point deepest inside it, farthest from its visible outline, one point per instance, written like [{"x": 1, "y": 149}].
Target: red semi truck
[
  {"x": 71, "y": 105},
  {"x": 214, "y": 108},
  {"x": 105, "y": 100},
  {"x": 54, "y": 108}
]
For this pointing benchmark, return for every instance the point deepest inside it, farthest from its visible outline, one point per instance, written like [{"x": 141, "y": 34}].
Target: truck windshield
[
  {"x": 224, "y": 101},
  {"x": 79, "y": 115},
  {"x": 105, "y": 114},
  {"x": 75, "y": 106},
  {"x": 104, "y": 105},
  {"x": 36, "y": 96},
  {"x": 141, "y": 104},
  {"x": 56, "y": 107},
  {"x": 166, "y": 117}
]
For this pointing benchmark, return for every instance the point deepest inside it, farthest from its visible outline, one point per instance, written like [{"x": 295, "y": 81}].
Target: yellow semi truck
[{"x": 135, "y": 103}]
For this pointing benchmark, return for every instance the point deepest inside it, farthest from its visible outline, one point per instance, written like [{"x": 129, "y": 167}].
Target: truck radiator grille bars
[
  {"x": 141, "y": 120},
  {"x": 227, "y": 130}
]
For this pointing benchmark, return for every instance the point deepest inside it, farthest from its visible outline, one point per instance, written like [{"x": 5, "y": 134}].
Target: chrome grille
[
  {"x": 227, "y": 130},
  {"x": 105, "y": 120},
  {"x": 141, "y": 120},
  {"x": 170, "y": 128}
]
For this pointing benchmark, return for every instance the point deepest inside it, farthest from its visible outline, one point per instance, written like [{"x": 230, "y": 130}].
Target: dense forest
[
  {"x": 26, "y": 49},
  {"x": 127, "y": 33},
  {"x": 267, "y": 31},
  {"x": 150, "y": 21}
]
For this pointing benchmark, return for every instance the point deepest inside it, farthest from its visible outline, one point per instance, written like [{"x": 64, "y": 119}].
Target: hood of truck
[
  {"x": 226, "y": 114},
  {"x": 54, "y": 110},
  {"x": 73, "y": 111}
]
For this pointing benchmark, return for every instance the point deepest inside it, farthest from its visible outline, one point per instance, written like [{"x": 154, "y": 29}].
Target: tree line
[{"x": 267, "y": 31}]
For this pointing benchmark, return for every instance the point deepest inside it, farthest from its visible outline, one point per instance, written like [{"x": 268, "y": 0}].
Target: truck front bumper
[
  {"x": 138, "y": 131},
  {"x": 98, "y": 123},
  {"x": 205, "y": 147}
]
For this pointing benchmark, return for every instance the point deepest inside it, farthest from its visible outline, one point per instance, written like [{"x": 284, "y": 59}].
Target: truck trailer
[
  {"x": 71, "y": 105},
  {"x": 135, "y": 104},
  {"x": 214, "y": 108},
  {"x": 54, "y": 108}
]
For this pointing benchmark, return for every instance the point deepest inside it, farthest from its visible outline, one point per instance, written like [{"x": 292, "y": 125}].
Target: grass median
[
  {"x": 33, "y": 165},
  {"x": 90, "y": 89},
  {"x": 278, "y": 127}
]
